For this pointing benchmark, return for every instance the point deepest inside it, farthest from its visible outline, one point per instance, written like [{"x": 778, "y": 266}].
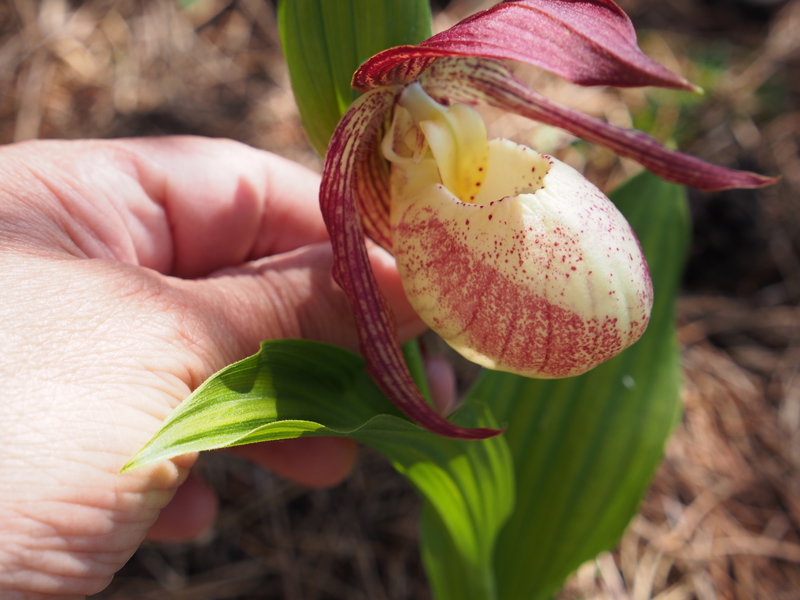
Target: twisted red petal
[
  {"x": 353, "y": 172},
  {"x": 589, "y": 42},
  {"x": 481, "y": 81}
]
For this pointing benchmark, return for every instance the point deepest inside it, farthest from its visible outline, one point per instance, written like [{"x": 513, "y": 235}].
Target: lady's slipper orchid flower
[{"x": 514, "y": 258}]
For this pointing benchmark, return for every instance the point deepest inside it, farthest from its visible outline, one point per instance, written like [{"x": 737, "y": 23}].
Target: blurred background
[{"x": 722, "y": 519}]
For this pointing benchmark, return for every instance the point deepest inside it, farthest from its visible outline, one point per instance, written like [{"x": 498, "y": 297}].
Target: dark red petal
[
  {"x": 474, "y": 80},
  {"x": 353, "y": 167},
  {"x": 372, "y": 199},
  {"x": 589, "y": 42}
]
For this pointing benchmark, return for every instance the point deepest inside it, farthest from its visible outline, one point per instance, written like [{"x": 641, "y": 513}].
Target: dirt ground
[{"x": 722, "y": 519}]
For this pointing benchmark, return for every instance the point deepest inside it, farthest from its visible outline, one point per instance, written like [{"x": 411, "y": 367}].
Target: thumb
[{"x": 290, "y": 295}]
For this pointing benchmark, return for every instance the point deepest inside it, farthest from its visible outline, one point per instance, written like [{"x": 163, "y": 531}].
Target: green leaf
[
  {"x": 468, "y": 491},
  {"x": 586, "y": 448},
  {"x": 290, "y": 388},
  {"x": 324, "y": 41},
  {"x": 294, "y": 388}
]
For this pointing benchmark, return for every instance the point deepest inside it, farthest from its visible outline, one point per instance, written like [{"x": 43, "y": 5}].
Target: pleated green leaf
[
  {"x": 459, "y": 527},
  {"x": 324, "y": 41},
  {"x": 467, "y": 489},
  {"x": 295, "y": 388},
  {"x": 290, "y": 388},
  {"x": 586, "y": 448}
]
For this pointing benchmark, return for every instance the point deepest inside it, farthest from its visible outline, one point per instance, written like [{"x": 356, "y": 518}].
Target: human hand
[{"x": 123, "y": 288}]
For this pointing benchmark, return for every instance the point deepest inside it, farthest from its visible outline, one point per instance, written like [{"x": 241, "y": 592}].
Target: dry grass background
[{"x": 722, "y": 519}]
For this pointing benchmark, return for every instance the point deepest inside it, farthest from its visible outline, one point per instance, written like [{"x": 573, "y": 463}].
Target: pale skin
[{"x": 131, "y": 270}]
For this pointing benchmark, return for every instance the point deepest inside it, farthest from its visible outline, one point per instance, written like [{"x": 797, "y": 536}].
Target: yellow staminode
[{"x": 454, "y": 137}]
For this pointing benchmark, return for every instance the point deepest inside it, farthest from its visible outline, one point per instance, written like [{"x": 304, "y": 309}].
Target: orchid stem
[{"x": 416, "y": 365}]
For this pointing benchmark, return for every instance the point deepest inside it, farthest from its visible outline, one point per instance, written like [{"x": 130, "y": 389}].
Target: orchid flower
[{"x": 511, "y": 256}]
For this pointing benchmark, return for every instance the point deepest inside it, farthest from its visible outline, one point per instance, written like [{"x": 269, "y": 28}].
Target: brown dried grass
[{"x": 722, "y": 519}]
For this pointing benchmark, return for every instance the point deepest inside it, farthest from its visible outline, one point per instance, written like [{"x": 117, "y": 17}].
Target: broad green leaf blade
[
  {"x": 292, "y": 388},
  {"x": 586, "y": 448},
  {"x": 288, "y": 389},
  {"x": 468, "y": 491},
  {"x": 325, "y": 41}
]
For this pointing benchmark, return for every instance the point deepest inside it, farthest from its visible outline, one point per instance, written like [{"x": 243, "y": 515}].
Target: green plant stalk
[{"x": 416, "y": 364}]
